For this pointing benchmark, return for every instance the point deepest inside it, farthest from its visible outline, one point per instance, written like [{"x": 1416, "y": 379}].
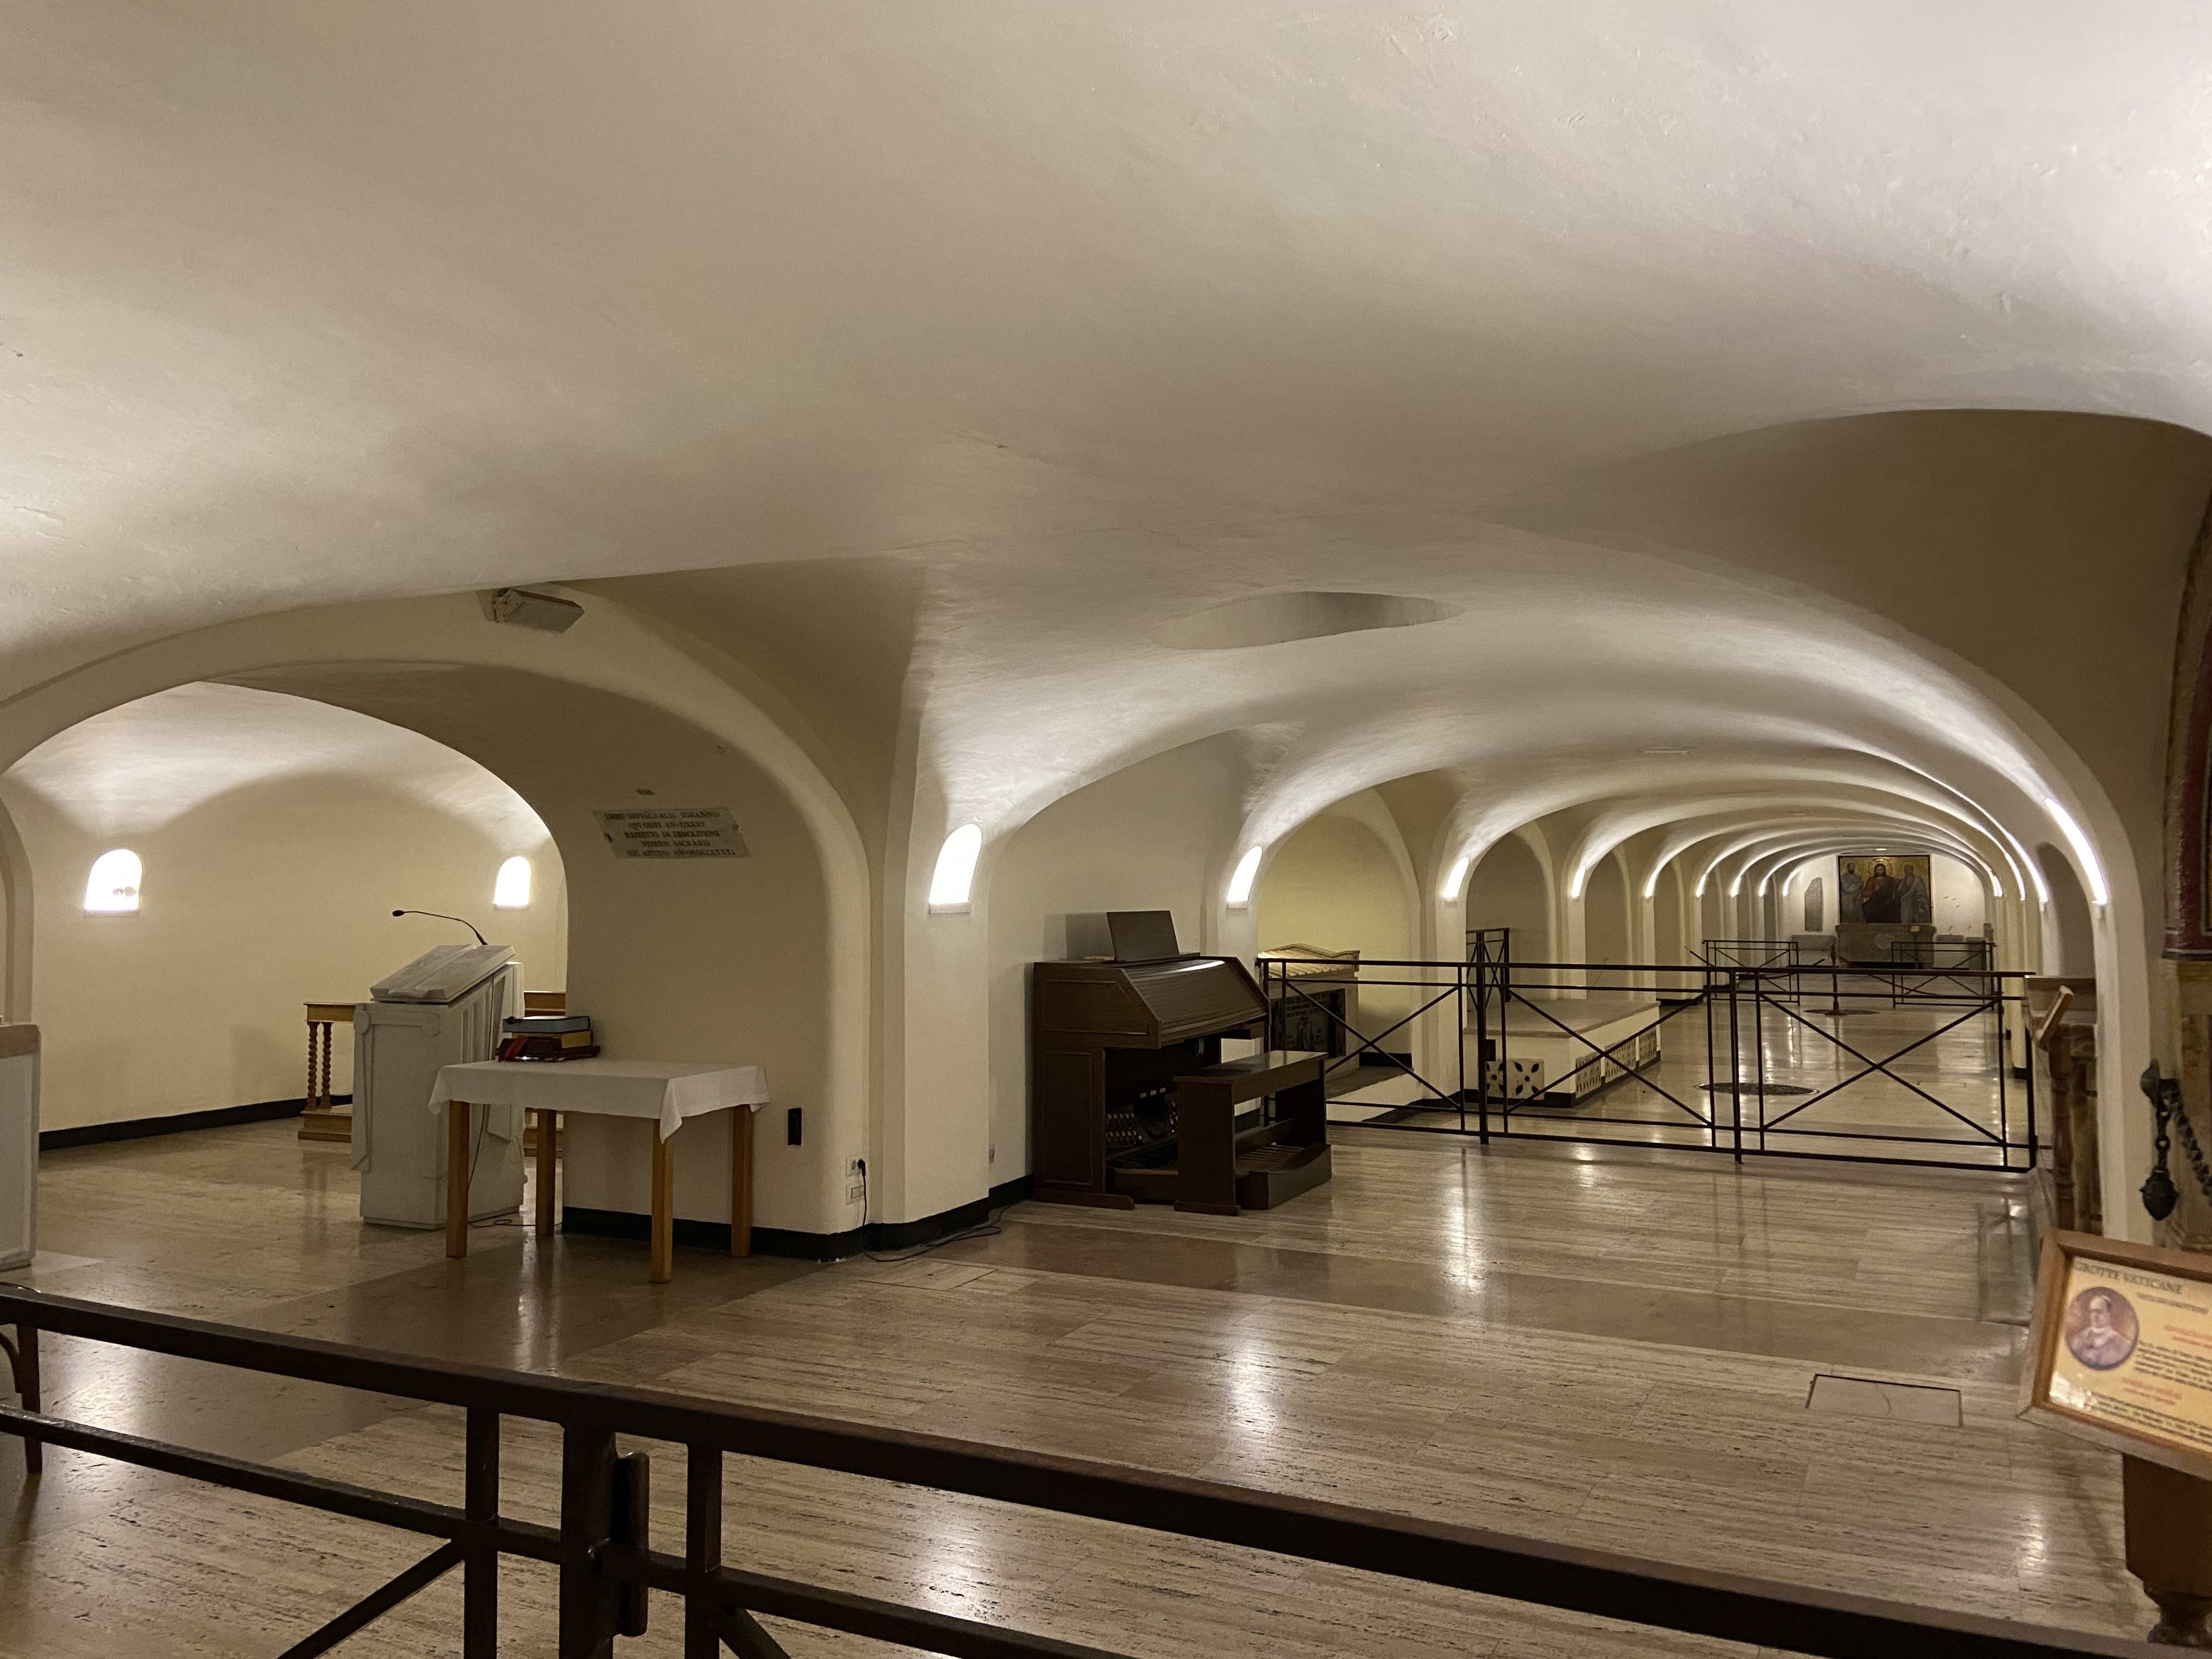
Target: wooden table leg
[
  {"x": 457, "y": 1177},
  {"x": 664, "y": 1208},
  {"x": 741, "y": 1181},
  {"x": 549, "y": 1140}
]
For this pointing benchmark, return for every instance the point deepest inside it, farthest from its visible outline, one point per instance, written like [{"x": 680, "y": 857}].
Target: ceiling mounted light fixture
[
  {"x": 949, "y": 883},
  {"x": 518, "y": 607},
  {"x": 1240, "y": 879}
]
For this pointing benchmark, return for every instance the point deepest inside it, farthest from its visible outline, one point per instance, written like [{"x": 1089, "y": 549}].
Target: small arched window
[
  {"x": 511, "y": 891},
  {"x": 112, "y": 887}
]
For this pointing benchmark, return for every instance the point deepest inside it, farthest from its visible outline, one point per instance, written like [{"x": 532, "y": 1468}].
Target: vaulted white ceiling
[
  {"x": 1601, "y": 326},
  {"x": 138, "y": 767}
]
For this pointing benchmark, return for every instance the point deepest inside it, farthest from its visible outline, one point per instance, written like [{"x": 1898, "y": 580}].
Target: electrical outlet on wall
[{"x": 856, "y": 1181}]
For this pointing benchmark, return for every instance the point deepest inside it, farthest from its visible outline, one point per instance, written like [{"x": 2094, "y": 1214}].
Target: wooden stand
[
  {"x": 2165, "y": 1474},
  {"x": 323, "y": 1119},
  {"x": 2169, "y": 1531},
  {"x": 663, "y": 1225}
]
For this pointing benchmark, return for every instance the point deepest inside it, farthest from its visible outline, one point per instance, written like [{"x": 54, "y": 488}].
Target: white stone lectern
[
  {"x": 445, "y": 1008},
  {"x": 19, "y": 1145}
]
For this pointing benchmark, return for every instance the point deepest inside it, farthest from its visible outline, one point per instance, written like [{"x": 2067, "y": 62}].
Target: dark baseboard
[
  {"x": 797, "y": 1246},
  {"x": 139, "y": 1128}
]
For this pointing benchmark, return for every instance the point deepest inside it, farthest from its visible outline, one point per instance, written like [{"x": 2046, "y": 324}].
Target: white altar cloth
[{"x": 670, "y": 1090}]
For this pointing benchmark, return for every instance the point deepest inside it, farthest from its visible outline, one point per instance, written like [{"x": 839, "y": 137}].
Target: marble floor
[{"x": 1608, "y": 1345}]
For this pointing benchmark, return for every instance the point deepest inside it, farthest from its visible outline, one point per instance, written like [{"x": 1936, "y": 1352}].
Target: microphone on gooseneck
[{"x": 442, "y": 916}]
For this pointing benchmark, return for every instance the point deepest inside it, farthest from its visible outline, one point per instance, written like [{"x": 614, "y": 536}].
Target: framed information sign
[{"x": 2120, "y": 1349}]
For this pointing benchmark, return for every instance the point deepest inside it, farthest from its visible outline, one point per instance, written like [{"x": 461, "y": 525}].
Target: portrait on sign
[
  {"x": 2101, "y": 1328},
  {"x": 1890, "y": 888}
]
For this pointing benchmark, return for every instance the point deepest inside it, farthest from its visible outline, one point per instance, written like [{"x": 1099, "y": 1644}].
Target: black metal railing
[
  {"x": 1751, "y": 953},
  {"x": 1766, "y": 954},
  {"x": 1807, "y": 1006},
  {"x": 1574, "y": 1051},
  {"x": 607, "y": 1564}
]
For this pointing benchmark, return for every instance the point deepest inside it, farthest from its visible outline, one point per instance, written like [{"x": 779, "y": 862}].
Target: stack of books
[{"x": 547, "y": 1037}]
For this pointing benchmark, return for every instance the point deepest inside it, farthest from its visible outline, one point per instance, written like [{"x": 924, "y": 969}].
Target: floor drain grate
[
  {"x": 1900, "y": 1403},
  {"x": 1754, "y": 1088}
]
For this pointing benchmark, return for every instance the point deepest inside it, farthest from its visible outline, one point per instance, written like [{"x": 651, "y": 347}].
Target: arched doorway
[
  {"x": 1605, "y": 913},
  {"x": 270, "y": 837},
  {"x": 769, "y": 965},
  {"x": 2068, "y": 944},
  {"x": 1507, "y": 888},
  {"x": 704, "y": 959},
  {"x": 1335, "y": 885}
]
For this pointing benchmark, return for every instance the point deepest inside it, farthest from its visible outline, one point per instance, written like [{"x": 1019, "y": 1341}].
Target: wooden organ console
[{"x": 1130, "y": 1099}]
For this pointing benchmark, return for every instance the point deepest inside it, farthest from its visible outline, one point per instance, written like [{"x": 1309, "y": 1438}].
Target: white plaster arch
[{"x": 610, "y": 652}]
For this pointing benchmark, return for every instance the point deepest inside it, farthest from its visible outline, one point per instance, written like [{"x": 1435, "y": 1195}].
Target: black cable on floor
[{"x": 981, "y": 1230}]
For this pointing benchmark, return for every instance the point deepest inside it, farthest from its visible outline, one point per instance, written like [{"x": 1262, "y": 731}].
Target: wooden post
[
  {"x": 480, "y": 1573},
  {"x": 587, "y": 1495},
  {"x": 23, "y": 1360},
  {"x": 663, "y": 1207},
  {"x": 2169, "y": 1530},
  {"x": 702, "y": 1544},
  {"x": 26, "y": 1387},
  {"x": 457, "y": 1177},
  {"x": 549, "y": 1165},
  {"x": 741, "y": 1181}
]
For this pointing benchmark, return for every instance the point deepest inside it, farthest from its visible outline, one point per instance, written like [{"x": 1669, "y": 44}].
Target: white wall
[
  {"x": 1605, "y": 915},
  {"x": 270, "y": 880},
  {"x": 1506, "y": 889},
  {"x": 1333, "y": 883},
  {"x": 1960, "y": 896}
]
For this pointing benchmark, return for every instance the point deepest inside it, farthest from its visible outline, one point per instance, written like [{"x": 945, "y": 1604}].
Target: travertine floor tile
[{"x": 1611, "y": 1350}]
